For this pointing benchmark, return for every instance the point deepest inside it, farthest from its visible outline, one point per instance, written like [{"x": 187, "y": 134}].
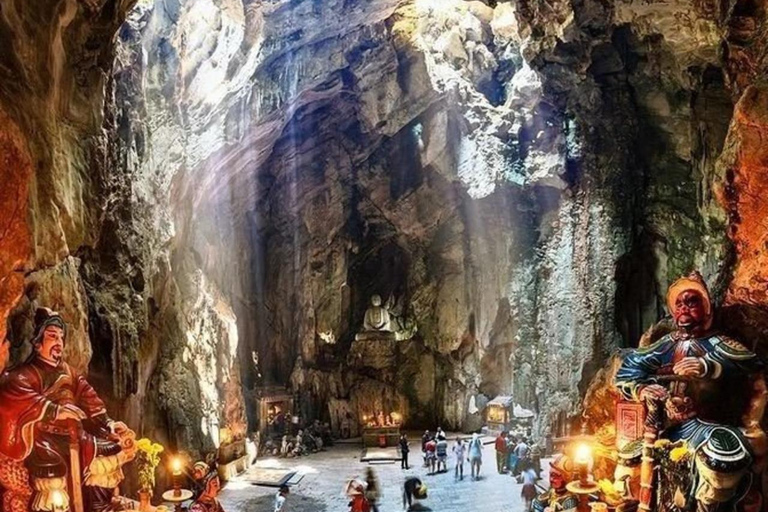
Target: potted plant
[{"x": 147, "y": 460}]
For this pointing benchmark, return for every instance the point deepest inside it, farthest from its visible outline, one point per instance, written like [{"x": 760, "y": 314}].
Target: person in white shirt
[
  {"x": 280, "y": 498},
  {"x": 459, "y": 449}
]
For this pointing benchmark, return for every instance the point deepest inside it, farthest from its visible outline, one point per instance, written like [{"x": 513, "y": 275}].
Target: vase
[{"x": 144, "y": 504}]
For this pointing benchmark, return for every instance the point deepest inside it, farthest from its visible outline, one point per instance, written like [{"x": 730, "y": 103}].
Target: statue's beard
[{"x": 53, "y": 357}]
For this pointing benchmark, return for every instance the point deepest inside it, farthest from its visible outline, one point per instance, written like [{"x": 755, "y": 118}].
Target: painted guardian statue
[
  {"x": 56, "y": 439},
  {"x": 692, "y": 382}
]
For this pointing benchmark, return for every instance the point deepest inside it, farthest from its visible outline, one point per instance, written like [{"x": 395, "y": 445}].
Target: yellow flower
[
  {"x": 157, "y": 448},
  {"x": 144, "y": 444},
  {"x": 679, "y": 453},
  {"x": 661, "y": 443}
]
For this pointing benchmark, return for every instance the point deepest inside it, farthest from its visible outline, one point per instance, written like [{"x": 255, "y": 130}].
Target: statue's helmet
[
  {"x": 692, "y": 282},
  {"x": 563, "y": 466},
  {"x": 46, "y": 317},
  {"x": 376, "y": 300}
]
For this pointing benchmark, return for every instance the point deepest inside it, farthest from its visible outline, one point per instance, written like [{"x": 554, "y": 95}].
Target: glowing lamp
[
  {"x": 582, "y": 461},
  {"x": 57, "y": 500},
  {"x": 176, "y": 466}
]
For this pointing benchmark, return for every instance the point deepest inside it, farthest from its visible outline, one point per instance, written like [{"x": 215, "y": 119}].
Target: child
[
  {"x": 280, "y": 498},
  {"x": 458, "y": 450},
  {"x": 529, "y": 484}
]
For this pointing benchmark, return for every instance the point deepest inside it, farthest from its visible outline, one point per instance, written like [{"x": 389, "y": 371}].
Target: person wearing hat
[
  {"x": 557, "y": 497},
  {"x": 42, "y": 398},
  {"x": 413, "y": 489},
  {"x": 694, "y": 374},
  {"x": 208, "y": 498}
]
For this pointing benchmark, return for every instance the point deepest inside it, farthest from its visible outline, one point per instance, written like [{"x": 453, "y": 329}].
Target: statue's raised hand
[
  {"x": 689, "y": 367},
  {"x": 654, "y": 392},
  {"x": 70, "y": 412}
]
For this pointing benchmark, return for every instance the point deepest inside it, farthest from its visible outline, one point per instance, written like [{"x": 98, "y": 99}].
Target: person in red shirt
[
  {"x": 501, "y": 451},
  {"x": 430, "y": 449}
]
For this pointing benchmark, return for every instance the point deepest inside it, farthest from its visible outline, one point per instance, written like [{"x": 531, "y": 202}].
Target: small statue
[
  {"x": 207, "y": 500},
  {"x": 377, "y": 317},
  {"x": 381, "y": 323},
  {"x": 286, "y": 448},
  {"x": 558, "y": 498},
  {"x": 679, "y": 378},
  {"x": 49, "y": 413}
]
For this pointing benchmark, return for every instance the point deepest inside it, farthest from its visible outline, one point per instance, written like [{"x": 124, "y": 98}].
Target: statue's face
[
  {"x": 376, "y": 301},
  {"x": 213, "y": 487},
  {"x": 690, "y": 311},
  {"x": 556, "y": 480},
  {"x": 52, "y": 345}
]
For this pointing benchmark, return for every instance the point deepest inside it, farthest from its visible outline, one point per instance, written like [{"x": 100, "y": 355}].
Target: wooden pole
[
  {"x": 74, "y": 467},
  {"x": 650, "y": 434}
]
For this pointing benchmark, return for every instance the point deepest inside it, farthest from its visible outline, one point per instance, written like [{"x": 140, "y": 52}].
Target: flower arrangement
[{"x": 147, "y": 459}]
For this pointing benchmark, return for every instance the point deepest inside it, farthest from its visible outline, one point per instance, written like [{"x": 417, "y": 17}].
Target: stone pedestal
[{"x": 372, "y": 353}]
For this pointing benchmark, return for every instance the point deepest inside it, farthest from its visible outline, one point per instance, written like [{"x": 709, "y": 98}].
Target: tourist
[
  {"x": 356, "y": 491},
  {"x": 424, "y": 440},
  {"x": 345, "y": 426},
  {"x": 522, "y": 451},
  {"x": 535, "y": 458},
  {"x": 404, "y": 450},
  {"x": 441, "y": 450},
  {"x": 528, "y": 492},
  {"x": 413, "y": 489},
  {"x": 475, "y": 455},
  {"x": 372, "y": 490},
  {"x": 458, "y": 450},
  {"x": 511, "y": 457},
  {"x": 280, "y": 498},
  {"x": 431, "y": 448},
  {"x": 501, "y": 452}
]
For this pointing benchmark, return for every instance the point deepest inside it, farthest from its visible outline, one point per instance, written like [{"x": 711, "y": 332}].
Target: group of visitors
[
  {"x": 514, "y": 454},
  {"x": 434, "y": 449}
]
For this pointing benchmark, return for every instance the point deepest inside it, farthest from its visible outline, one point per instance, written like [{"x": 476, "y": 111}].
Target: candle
[
  {"x": 581, "y": 461},
  {"x": 176, "y": 466}
]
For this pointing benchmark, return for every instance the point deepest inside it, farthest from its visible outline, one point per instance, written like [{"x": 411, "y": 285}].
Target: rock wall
[{"x": 193, "y": 182}]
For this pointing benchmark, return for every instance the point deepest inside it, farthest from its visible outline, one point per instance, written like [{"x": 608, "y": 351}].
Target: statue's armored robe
[{"x": 31, "y": 395}]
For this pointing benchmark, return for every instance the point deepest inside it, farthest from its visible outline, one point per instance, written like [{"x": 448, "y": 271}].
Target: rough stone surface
[{"x": 195, "y": 181}]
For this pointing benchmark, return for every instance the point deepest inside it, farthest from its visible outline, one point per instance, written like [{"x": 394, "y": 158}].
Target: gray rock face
[{"x": 212, "y": 178}]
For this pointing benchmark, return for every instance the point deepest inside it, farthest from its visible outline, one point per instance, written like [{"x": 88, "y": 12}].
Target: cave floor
[{"x": 320, "y": 490}]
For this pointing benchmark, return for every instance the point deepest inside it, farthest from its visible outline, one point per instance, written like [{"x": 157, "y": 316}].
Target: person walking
[
  {"x": 459, "y": 450},
  {"x": 528, "y": 493},
  {"x": 280, "y": 498},
  {"x": 372, "y": 489},
  {"x": 404, "y": 450},
  {"x": 475, "y": 456},
  {"x": 501, "y": 451}
]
